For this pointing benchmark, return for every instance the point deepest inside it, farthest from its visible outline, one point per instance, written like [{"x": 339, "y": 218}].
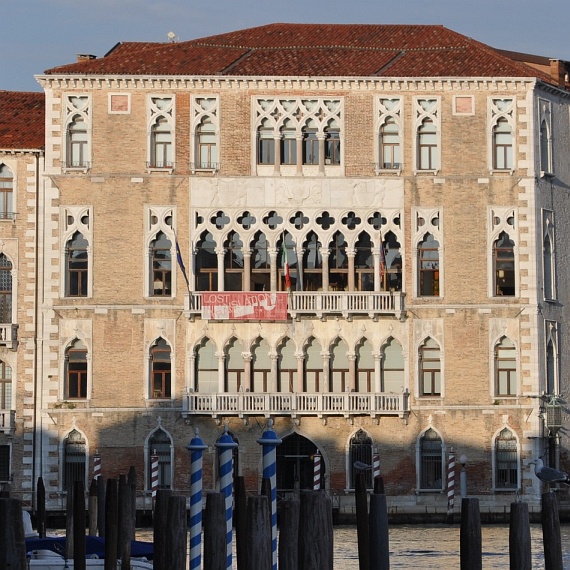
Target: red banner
[{"x": 255, "y": 306}]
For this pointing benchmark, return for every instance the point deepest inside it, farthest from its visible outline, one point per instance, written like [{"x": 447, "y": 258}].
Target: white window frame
[
  {"x": 71, "y": 111},
  {"x": 548, "y": 232},
  {"x": 423, "y": 220},
  {"x": 204, "y": 107},
  {"x": 498, "y": 222},
  {"x": 545, "y": 117},
  {"x": 419, "y": 489},
  {"x": 419, "y": 115},
  {"x": 494, "y": 462},
  {"x": 551, "y": 335},
  {"x": 148, "y": 454},
  {"x": 494, "y": 114},
  {"x": 382, "y": 114},
  {"x": 154, "y": 114}
]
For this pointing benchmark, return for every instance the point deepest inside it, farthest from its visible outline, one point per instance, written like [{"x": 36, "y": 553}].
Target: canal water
[{"x": 423, "y": 547}]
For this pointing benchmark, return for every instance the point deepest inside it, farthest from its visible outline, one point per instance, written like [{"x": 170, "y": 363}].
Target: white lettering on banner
[{"x": 235, "y": 305}]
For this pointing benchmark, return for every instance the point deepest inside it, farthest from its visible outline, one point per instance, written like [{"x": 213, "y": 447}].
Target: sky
[{"x": 41, "y": 34}]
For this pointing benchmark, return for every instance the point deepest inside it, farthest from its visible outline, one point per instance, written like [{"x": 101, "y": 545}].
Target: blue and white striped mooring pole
[
  {"x": 196, "y": 448},
  {"x": 270, "y": 441},
  {"x": 226, "y": 445}
]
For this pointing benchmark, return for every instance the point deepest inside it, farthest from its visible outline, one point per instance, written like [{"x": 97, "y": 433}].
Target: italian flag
[{"x": 286, "y": 268}]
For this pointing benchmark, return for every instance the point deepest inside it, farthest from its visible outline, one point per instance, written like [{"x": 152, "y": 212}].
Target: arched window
[
  {"x": 548, "y": 260},
  {"x": 5, "y": 386},
  {"x": 5, "y": 290},
  {"x": 77, "y": 266},
  {"x": 428, "y": 267},
  {"x": 360, "y": 449},
  {"x": 233, "y": 263},
  {"x": 288, "y": 143},
  {"x": 76, "y": 371},
  {"x": 313, "y": 366},
  {"x": 332, "y": 143},
  {"x": 504, "y": 262},
  {"x": 552, "y": 366},
  {"x": 6, "y": 193},
  {"x": 502, "y": 145},
  {"x": 235, "y": 369},
  {"x": 287, "y": 367},
  {"x": 392, "y": 367},
  {"x": 160, "y": 445},
  {"x": 207, "y": 145},
  {"x": 206, "y": 263},
  {"x": 390, "y": 145},
  {"x": 364, "y": 367},
  {"x": 428, "y": 158},
  {"x": 288, "y": 256},
  {"x": 431, "y": 461},
  {"x": 260, "y": 264},
  {"x": 265, "y": 144},
  {"x": 161, "y": 263},
  {"x": 161, "y": 151},
  {"x": 74, "y": 459},
  {"x": 364, "y": 263},
  {"x": 545, "y": 160},
  {"x": 339, "y": 367},
  {"x": 338, "y": 263},
  {"x": 312, "y": 263},
  {"x": 392, "y": 279},
  {"x": 505, "y": 368},
  {"x": 261, "y": 363},
  {"x": 430, "y": 368},
  {"x": 310, "y": 143},
  {"x": 506, "y": 460},
  {"x": 160, "y": 370},
  {"x": 77, "y": 140},
  {"x": 206, "y": 367}
]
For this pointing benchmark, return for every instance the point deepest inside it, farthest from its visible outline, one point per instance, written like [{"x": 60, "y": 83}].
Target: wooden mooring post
[
  {"x": 258, "y": 534},
  {"x": 240, "y": 521},
  {"x": 379, "y": 542},
  {"x": 160, "y": 529},
  {"x": 520, "y": 553},
  {"x": 361, "y": 502},
  {"x": 288, "y": 546},
  {"x": 79, "y": 541},
  {"x": 215, "y": 556},
  {"x": 471, "y": 553},
  {"x": 111, "y": 524},
  {"x": 92, "y": 508},
  {"x": 551, "y": 538},
  {"x": 41, "y": 508},
  {"x": 101, "y": 492},
  {"x": 177, "y": 541},
  {"x": 12, "y": 537},
  {"x": 315, "y": 531}
]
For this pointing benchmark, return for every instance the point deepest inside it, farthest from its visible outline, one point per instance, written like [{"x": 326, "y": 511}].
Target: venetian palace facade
[{"x": 373, "y": 222}]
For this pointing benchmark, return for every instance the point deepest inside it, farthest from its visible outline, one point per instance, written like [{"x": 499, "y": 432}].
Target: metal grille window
[
  {"x": 161, "y": 263},
  {"x": 506, "y": 456},
  {"x": 5, "y": 289},
  {"x": 5, "y": 386},
  {"x": 431, "y": 461},
  {"x": 73, "y": 459},
  {"x": 6, "y": 193},
  {"x": 4, "y": 463},
  {"x": 160, "y": 444},
  {"x": 360, "y": 450}
]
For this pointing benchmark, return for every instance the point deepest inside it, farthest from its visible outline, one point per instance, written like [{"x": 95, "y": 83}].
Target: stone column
[
  {"x": 273, "y": 379},
  {"x": 191, "y": 383},
  {"x": 220, "y": 252},
  {"x": 299, "y": 143},
  {"x": 377, "y": 372},
  {"x": 277, "y": 154},
  {"x": 351, "y": 254},
  {"x": 325, "y": 252},
  {"x": 272, "y": 251},
  {"x": 351, "y": 371},
  {"x": 321, "y": 138},
  {"x": 377, "y": 284},
  {"x": 300, "y": 252},
  {"x": 221, "y": 371},
  {"x": 246, "y": 270},
  {"x": 300, "y": 369},
  {"x": 247, "y": 358},
  {"x": 326, "y": 356}
]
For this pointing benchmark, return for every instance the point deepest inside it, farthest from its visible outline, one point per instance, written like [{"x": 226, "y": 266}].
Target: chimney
[
  {"x": 557, "y": 72},
  {"x": 81, "y": 57}
]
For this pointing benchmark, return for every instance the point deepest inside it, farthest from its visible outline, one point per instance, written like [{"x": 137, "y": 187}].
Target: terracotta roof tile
[
  {"x": 313, "y": 50},
  {"x": 22, "y": 120}
]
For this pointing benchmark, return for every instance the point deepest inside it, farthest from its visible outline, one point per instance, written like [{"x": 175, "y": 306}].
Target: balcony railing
[
  {"x": 322, "y": 303},
  {"x": 7, "y": 421},
  {"x": 9, "y": 335},
  {"x": 294, "y": 404}
]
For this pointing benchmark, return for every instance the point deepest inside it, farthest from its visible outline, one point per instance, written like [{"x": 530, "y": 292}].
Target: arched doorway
[{"x": 295, "y": 464}]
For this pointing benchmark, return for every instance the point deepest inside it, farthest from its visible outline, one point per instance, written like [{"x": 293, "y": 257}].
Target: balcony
[
  {"x": 321, "y": 304},
  {"x": 291, "y": 404},
  {"x": 9, "y": 335},
  {"x": 7, "y": 421}
]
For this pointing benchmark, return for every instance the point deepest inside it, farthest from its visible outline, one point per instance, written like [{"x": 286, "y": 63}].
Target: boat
[{"x": 49, "y": 560}]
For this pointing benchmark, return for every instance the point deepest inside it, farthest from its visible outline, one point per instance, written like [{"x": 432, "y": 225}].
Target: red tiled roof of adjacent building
[
  {"x": 318, "y": 50},
  {"x": 22, "y": 120}
]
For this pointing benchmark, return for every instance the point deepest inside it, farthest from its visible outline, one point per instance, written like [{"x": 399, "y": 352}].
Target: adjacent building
[{"x": 357, "y": 231}]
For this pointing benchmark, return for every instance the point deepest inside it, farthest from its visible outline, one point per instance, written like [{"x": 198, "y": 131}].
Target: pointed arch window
[
  {"x": 260, "y": 263},
  {"x": 160, "y": 370},
  {"x": 287, "y": 367},
  {"x": 545, "y": 155},
  {"x": 332, "y": 143},
  {"x": 364, "y": 263},
  {"x": 77, "y": 270},
  {"x": 428, "y": 267},
  {"x": 77, "y": 143},
  {"x": 360, "y": 449},
  {"x": 338, "y": 263},
  {"x": 261, "y": 363},
  {"x": 160, "y": 444},
  {"x": 6, "y": 193},
  {"x": 390, "y": 145},
  {"x": 364, "y": 367},
  {"x": 506, "y": 368},
  {"x": 206, "y": 263},
  {"x": 502, "y": 145},
  {"x": 504, "y": 262},
  {"x": 430, "y": 368},
  {"x": 431, "y": 461},
  {"x": 310, "y": 144},
  {"x": 207, "y": 145},
  {"x": 265, "y": 144},
  {"x": 506, "y": 460},
  {"x": 74, "y": 459},
  {"x": 312, "y": 264},
  {"x": 233, "y": 263},
  {"x": 5, "y": 289},
  {"x": 206, "y": 368},
  {"x": 289, "y": 250},
  {"x": 339, "y": 367},
  {"x": 161, "y": 263},
  {"x": 552, "y": 366},
  {"x": 235, "y": 368},
  {"x": 5, "y": 386},
  {"x": 548, "y": 267},
  {"x": 392, "y": 367},
  {"x": 288, "y": 143},
  {"x": 161, "y": 144},
  {"x": 313, "y": 367},
  {"x": 428, "y": 155},
  {"x": 392, "y": 277},
  {"x": 76, "y": 371}
]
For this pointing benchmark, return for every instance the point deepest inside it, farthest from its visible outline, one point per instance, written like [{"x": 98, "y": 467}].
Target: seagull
[
  {"x": 359, "y": 466},
  {"x": 548, "y": 474}
]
